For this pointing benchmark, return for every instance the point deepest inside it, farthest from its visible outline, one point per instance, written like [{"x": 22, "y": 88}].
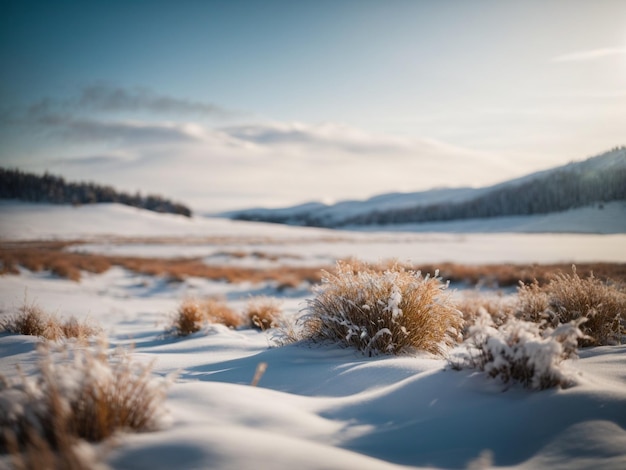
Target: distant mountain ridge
[{"x": 598, "y": 179}]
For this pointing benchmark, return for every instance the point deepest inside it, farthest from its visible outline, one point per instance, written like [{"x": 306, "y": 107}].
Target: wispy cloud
[
  {"x": 263, "y": 162},
  {"x": 581, "y": 56},
  {"x": 83, "y": 130},
  {"x": 112, "y": 99},
  {"x": 330, "y": 136}
]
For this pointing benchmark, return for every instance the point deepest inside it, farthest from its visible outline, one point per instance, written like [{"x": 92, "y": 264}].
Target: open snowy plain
[{"x": 315, "y": 407}]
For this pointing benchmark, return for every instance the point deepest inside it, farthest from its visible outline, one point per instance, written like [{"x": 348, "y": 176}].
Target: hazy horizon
[{"x": 228, "y": 105}]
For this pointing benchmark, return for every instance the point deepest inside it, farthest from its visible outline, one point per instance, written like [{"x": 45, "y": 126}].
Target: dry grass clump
[
  {"x": 217, "y": 311},
  {"x": 192, "y": 314},
  {"x": 263, "y": 312},
  {"x": 569, "y": 297},
  {"x": 189, "y": 318},
  {"x": 386, "y": 312},
  {"x": 509, "y": 275},
  {"x": 522, "y": 351},
  {"x": 76, "y": 394},
  {"x": 33, "y": 321}
]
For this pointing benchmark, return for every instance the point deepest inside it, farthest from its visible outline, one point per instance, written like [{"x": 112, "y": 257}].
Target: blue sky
[{"x": 228, "y": 104}]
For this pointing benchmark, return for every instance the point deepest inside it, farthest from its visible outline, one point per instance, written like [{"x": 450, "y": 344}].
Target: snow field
[{"x": 317, "y": 406}]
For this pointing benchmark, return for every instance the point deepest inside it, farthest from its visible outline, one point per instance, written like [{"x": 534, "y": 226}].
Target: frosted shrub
[
  {"x": 78, "y": 394},
  {"x": 521, "y": 351},
  {"x": 568, "y": 297},
  {"x": 382, "y": 312},
  {"x": 473, "y": 303}
]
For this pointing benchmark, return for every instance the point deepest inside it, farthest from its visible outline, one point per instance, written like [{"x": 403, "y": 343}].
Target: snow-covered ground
[
  {"x": 606, "y": 218},
  {"x": 315, "y": 407},
  {"x": 109, "y": 226}
]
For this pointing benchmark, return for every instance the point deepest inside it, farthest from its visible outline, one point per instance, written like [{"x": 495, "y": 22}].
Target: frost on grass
[
  {"x": 382, "y": 312},
  {"x": 77, "y": 394},
  {"x": 521, "y": 351},
  {"x": 568, "y": 297},
  {"x": 473, "y": 303}
]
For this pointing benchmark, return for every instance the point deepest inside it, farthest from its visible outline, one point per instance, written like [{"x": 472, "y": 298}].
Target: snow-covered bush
[
  {"x": 263, "y": 312},
  {"x": 382, "y": 312},
  {"x": 567, "y": 297},
  {"x": 473, "y": 303},
  {"x": 78, "y": 393},
  {"x": 522, "y": 351}
]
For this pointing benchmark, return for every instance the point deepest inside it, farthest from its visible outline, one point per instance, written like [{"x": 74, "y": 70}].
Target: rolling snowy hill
[{"x": 593, "y": 182}]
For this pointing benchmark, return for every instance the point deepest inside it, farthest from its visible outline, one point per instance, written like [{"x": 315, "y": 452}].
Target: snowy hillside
[{"x": 596, "y": 180}]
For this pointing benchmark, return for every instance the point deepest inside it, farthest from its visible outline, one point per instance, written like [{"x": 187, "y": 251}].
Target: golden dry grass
[
  {"x": 33, "y": 321},
  {"x": 51, "y": 255},
  {"x": 189, "y": 318},
  {"x": 263, "y": 312},
  {"x": 570, "y": 297},
  {"x": 76, "y": 394},
  {"x": 192, "y": 314},
  {"x": 217, "y": 311},
  {"x": 39, "y": 256},
  {"x": 387, "y": 312}
]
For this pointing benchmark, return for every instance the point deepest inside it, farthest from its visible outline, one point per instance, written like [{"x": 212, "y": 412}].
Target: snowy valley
[{"x": 317, "y": 405}]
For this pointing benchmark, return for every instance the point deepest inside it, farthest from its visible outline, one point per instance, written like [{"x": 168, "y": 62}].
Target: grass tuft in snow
[
  {"x": 192, "y": 314},
  {"x": 263, "y": 312},
  {"x": 76, "y": 394},
  {"x": 520, "y": 351},
  {"x": 33, "y": 321},
  {"x": 569, "y": 297},
  {"x": 382, "y": 312},
  {"x": 217, "y": 311},
  {"x": 189, "y": 318}
]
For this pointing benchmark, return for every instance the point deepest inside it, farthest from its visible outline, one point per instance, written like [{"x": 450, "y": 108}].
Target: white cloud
[
  {"x": 329, "y": 136},
  {"x": 84, "y": 130},
  {"x": 249, "y": 164},
  {"x": 593, "y": 54},
  {"x": 283, "y": 164}
]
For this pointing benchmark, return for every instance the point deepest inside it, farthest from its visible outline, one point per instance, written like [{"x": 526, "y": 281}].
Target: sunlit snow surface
[{"x": 316, "y": 407}]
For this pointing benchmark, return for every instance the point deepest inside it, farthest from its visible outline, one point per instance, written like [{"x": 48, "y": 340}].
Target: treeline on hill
[
  {"x": 15, "y": 184},
  {"x": 558, "y": 191},
  {"x": 562, "y": 189}
]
